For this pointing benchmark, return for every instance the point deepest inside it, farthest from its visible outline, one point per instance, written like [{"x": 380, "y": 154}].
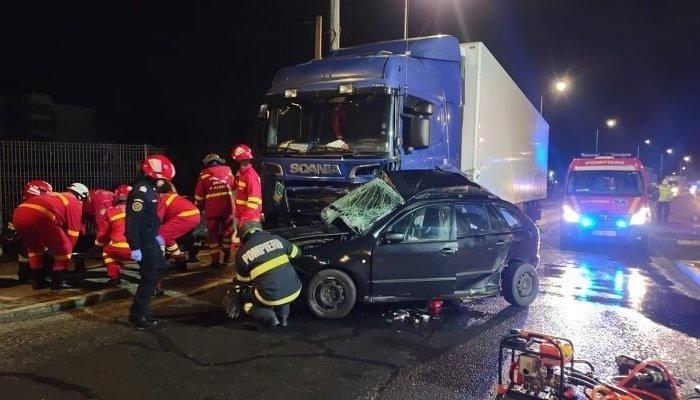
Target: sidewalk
[{"x": 20, "y": 301}]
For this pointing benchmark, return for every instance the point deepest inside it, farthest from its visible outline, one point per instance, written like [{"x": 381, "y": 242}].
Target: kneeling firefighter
[{"x": 265, "y": 282}]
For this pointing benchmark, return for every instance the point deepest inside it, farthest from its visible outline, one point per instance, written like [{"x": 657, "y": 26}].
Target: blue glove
[
  {"x": 136, "y": 255},
  {"x": 160, "y": 241}
]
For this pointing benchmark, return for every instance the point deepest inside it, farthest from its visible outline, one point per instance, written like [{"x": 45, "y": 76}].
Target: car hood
[{"x": 310, "y": 235}]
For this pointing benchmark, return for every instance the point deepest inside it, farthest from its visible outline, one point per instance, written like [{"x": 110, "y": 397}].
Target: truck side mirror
[
  {"x": 419, "y": 136},
  {"x": 423, "y": 108},
  {"x": 264, "y": 112}
]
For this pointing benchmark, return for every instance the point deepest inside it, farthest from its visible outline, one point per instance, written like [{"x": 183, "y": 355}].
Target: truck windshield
[
  {"x": 605, "y": 183},
  {"x": 343, "y": 125}
]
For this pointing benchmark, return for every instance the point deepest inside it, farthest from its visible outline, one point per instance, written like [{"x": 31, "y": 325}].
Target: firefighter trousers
[
  {"x": 175, "y": 228},
  {"x": 220, "y": 231},
  {"x": 115, "y": 255},
  {"x": 38, "y": 233}
]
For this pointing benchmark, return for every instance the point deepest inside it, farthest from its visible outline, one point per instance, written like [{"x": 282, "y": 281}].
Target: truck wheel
[
  {"x": 331, "y": 294},
  {"x": 519, "y": 284}
]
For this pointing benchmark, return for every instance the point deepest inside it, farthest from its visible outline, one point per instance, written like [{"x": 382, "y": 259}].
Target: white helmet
[{"x": 80, "y": 190}]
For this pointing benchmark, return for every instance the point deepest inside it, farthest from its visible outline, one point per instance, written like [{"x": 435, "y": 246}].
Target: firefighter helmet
[
  {"x": 242, "y": 152},
  {"x": 80, "y": 190},
  {"x": 158, "y": 166},
  {"x": 121, "y": 193},
  {"x": 35, "y": 188},
  {"x": 213, "y": 158},
  {"x": 249, "y": 227}
]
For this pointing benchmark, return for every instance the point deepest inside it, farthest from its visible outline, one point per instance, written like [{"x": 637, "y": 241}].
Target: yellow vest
[{"x": 665, "y": 193}]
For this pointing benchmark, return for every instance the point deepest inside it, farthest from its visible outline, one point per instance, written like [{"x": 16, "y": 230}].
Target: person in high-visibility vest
[
  {"x": 111, "y": 227},
  {"x": 53, "y": 221},
  {"x": 663, "y": 204},
  {"x": 179, "y": 216}
]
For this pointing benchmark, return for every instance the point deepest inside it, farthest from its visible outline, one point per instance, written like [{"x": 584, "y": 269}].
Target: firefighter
[
  {"x": 262, "y": 264},
  {"x": 111, "y": 236},
  {"x": 99, "y": 202},
  {"x": 31, "y": 189},
  {"x": 214, "y": 193},
  {"x": 248, "y": 187},
  {"x": 179, "y": 216},
  {"x": 663, "y": 203},
  {"x": 142, "y": 226},
  {"x": 53, "y": 221}
]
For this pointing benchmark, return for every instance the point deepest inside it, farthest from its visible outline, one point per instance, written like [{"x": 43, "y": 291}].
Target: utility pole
[
  {"x": 335, "y": 25},
  {"x": 597, "y": 134},
  {"x": 405, "y": 19},
  {"x": 318, "y": 40}
]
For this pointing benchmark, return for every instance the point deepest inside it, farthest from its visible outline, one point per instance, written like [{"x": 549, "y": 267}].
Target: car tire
[
  {"x": 519, "y": 284},
  {"x": 331, "y": 294}
]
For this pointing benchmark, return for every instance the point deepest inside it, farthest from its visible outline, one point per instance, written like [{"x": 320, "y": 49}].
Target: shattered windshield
[
  {"x": 364, "y": 206},
  {"x": 605, "y": 183},
  {"x": 345, "y": 125}
]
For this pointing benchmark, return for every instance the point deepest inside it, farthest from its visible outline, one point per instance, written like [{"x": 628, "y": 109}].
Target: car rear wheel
[
  {"x": 331, "y": 293},
  {"x": 520, "y": 284}
]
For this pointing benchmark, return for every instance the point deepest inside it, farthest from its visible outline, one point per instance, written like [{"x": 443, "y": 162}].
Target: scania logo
[{"x": 316, "y": 169}]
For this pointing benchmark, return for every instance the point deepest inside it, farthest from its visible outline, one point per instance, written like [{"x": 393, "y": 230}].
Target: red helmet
[
  {"x": 242, "y": 152},
  {"x": 158, "y": 167},
  {"x": 35, "y": 188},
  {"x": 121, "y": 193}
]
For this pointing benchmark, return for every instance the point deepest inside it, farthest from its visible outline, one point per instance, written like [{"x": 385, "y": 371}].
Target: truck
[
  {"x": 606, "y": 197},
  {"x": 419, "y": 103}
]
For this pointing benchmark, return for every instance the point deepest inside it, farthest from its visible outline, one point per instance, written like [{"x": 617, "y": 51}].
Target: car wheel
[
  {"x": 331, "y": 294},
  {"x": 519, "y": 284}
]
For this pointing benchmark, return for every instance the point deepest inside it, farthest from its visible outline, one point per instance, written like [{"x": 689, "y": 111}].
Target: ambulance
[{"x": 605, "y": 198}]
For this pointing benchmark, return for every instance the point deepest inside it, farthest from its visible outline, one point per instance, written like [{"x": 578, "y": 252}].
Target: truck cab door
[
  {"x": 414, "y": 257},
  {"x": 484, "y": 243}
]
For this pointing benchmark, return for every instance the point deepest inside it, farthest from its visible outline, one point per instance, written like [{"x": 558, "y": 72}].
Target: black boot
[
  {"x": 23, "y": 272},
  {"x": 227, "y": 256},
  {"x": 39, "y": 278},
  {"x": 143, "y": 322},
  {"x": 284, "y": 321},
  {"x": 181, "y": 264},
  {"x": 58, "y": 281},
  {"x": 113, "y": 282},
  {"x": 215, "y": 263}
]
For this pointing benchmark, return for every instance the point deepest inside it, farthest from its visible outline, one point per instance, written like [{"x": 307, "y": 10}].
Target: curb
[
  {"x": 107, "y": 294},
  {"x": 689, "y": 272}
]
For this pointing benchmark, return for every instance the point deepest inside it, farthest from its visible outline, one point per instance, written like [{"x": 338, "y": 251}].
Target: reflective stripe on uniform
[
  {"x": 108, "y": 260},
  {"x": 279, "y": 302},
  {"x": 268, "y": 265},
  {"x": 72, "y": 233},
  {"x": 242, "y": 278},
  {"x": 41, "y": 209},
  {"x": 210, "y": 195},
  {"x": 295, "y": 251},
  {"x": 203, "y": 176},
  {"x": 119, "y": 245},
  {"x": 241, "y": 202},
  {"x": 198, "y": 198},
  {"x": 188, "y": 213},
  {"x": 170, "y": 199},
  {"x": 173, "y": 247},
  {"x": 253, "y": 199},
  {"x": 241, "y": 184},
  {"x": 117, "y": 216},
  {"x": 63, "y": 198}
]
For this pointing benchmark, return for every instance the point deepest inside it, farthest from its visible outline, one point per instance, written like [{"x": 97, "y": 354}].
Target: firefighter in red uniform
[
  {"x": 110, "y": 236},
  {"x": 178, "y": 216},
  {"x": 215, "y": 192},
  {"x": 53, "y": 221},
  {"x": 248, "y": 187},
  {"x": 31, "y": 189},
  {"x": 99, "y": 202}
]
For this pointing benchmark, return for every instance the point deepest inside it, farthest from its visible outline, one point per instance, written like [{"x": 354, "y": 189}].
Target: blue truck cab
[{"x": 330, "y": 123}]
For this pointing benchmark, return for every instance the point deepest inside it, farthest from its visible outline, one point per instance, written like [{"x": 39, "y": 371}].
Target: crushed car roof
[{"x": 412, "y": 182}]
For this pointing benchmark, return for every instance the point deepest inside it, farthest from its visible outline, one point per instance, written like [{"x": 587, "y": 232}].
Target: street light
[
  {"x": 681, "y": 167},
  {"x": 668, "y": 151},
  {"x": 646, "y": 142},
  {"x": 686, "y": 158},
  {"x": 610, "y": 123},
  {"x": 560, "y": 86}
]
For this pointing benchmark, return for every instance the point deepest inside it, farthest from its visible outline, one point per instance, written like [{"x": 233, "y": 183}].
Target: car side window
[
  {"x": 512, "y": 219},
  {"x": 472, "y": 219},
  {"x": 425, "y": 224}
]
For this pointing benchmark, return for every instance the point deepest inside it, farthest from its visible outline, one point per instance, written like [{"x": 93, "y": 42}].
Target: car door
[
  {"x": 483, "y": 243},
  {"x": 419, "y": 260}
]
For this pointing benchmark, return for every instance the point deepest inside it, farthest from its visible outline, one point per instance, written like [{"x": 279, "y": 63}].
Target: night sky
[{"x": 190, "y": 75}]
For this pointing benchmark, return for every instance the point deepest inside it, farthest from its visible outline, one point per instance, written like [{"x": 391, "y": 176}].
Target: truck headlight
[
  {"x": 346, "y": 88},
  {"x": 291, "y": 93},
  {"x": 641, "y": 217},
  {"x": 569, "y": 214}
]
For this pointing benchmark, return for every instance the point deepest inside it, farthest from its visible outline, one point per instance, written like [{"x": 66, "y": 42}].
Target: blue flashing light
[
  {"x": 587, "y": 222},
  {"x": 621, "y": 223}
]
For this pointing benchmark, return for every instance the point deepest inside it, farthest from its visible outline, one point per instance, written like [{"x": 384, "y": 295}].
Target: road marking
[{"x": 683, "y": 242}]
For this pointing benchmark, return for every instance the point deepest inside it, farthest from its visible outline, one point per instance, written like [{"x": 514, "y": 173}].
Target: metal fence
[{"x": 97, "y": 165}]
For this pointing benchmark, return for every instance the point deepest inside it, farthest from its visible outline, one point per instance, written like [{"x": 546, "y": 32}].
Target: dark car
[{"x": 440, "y": 235}]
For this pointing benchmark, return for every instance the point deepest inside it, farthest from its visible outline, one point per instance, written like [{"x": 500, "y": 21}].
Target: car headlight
[
  {"x": 569, "y": 214},
  {"x": 641, "y": 217}
]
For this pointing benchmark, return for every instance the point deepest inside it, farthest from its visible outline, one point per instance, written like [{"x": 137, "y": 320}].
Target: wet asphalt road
[{"x": 609, "y": 300}]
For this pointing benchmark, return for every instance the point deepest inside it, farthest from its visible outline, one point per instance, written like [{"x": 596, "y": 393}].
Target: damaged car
[{"x": 416, "y": 235}]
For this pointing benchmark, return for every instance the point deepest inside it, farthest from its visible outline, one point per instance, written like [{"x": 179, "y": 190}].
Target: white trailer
[{"x": 504, "y": 138}]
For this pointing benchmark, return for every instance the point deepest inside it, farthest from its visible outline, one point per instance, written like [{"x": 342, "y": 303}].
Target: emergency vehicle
[{"x": 605, "y": 197}]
